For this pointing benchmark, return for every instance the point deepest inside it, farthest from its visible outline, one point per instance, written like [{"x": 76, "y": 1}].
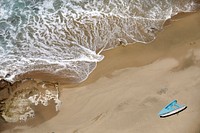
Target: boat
[{"x": 171, "y": 109}]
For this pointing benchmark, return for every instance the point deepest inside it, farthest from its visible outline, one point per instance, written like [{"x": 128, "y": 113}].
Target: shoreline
[
  {"x": 46, "y": 76},
  {"x": 155, "y": 50},
  {"x": 101, "y": 104}
]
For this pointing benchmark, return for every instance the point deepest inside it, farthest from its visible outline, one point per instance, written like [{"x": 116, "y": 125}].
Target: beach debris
[
  {"x": 7, "y": 75},
  {"x": 122, "y": 41},
  {"x": 171, "y": 109}
]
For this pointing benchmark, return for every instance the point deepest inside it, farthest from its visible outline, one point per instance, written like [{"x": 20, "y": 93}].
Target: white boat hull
[{"x": 173, "y": 112}]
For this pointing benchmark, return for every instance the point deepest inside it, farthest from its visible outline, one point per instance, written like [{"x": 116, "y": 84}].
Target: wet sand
[{"x": 130, "y": 86}]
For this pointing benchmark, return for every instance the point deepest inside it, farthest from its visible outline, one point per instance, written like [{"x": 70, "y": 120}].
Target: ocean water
[{"x": 66, "y": 37}]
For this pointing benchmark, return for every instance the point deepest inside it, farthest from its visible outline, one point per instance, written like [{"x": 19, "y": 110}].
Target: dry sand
[{"x": 130, "y": 86}]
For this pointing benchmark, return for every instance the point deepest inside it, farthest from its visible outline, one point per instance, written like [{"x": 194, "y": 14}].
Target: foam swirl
[{"x": 67, "y": 37}]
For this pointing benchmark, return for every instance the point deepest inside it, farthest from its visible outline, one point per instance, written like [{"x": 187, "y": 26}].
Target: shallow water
[
  {"x": 66, "y": 37},
  {"x": 18, "y": 100}
]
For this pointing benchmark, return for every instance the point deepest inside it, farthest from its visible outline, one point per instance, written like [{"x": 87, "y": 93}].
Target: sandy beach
[{"x": 130, "y": 86}]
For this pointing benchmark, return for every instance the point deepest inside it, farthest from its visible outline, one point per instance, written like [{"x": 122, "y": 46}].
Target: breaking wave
[{"x": 66, "y": 37}]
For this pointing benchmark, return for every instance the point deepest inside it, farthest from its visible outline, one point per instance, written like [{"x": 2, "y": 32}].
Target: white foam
[
  {"x": 48, "y": 4},
  {"x": 43, "y": 99},
  {"x": 70, "y": 37},
  {"x": 19, "y": 108}
]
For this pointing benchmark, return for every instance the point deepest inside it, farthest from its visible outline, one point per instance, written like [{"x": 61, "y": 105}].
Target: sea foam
[
  {"x": 18, "y": 107},
  {"x": 67, "y": 37}
]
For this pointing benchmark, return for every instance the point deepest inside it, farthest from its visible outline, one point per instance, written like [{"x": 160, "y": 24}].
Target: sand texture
[{"x": 130, "y": 86}]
